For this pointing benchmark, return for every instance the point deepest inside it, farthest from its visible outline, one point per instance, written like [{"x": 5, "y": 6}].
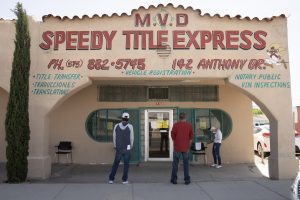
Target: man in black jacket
[{"x": 123, "y": 137}]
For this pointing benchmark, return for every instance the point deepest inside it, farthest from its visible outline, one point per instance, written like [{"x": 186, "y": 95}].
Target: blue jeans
[
  {"x": 216, "y": 153},
  {"x": 125, "y": 154},
  {"x": 176, "y": 157}
]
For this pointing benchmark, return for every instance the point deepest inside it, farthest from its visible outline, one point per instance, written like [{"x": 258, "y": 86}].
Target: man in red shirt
[{"x": 182, "y": 135}]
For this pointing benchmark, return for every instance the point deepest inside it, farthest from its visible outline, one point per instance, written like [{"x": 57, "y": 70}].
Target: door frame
[{"x": 171, "y": 147}]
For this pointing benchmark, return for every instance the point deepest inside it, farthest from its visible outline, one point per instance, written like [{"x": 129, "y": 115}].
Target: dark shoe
[
  {"x": 174, "y": 182},
  {"x": 187, "y": 182}
]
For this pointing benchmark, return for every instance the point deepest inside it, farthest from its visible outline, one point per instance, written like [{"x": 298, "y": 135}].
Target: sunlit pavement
[{"x": 263, "y": 165}]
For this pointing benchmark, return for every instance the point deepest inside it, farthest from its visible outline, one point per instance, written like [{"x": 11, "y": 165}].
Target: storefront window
[
  {"x": 113, "y": 118},
  {"x": 204, "y": 119},
  {"x": 202, "y": 124},
  {"x": 100, "y": 124}
]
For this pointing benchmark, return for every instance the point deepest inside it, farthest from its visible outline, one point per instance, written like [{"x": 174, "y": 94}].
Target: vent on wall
[
  {"x": 142, "y": 93},
  {"x": 158, "y": 93},
  {"x": 163, "y": 50}
]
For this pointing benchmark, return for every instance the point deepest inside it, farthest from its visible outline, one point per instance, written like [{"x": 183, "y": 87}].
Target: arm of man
[
  {"x": 114, "y": 135},
  {"x": 174, "y": 132},
  {"x": 191, "y": 134},
  {"x": 218, "y": 136},
  {"x": 131, "y": 136}
]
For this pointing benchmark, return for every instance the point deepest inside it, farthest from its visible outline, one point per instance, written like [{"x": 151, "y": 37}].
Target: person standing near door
[
  {"x": 216, "y": 147},
  {"x": 123, "y": 137},
  {"x": 182, "y": 135},
  {"x": 164, "y": 139}
]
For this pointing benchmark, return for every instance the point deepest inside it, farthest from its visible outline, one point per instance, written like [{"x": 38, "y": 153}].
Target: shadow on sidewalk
[{"x": 150, "y": 172}]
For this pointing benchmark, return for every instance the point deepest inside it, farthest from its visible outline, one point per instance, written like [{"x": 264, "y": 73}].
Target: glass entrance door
[{"x": 158, "y": 142}]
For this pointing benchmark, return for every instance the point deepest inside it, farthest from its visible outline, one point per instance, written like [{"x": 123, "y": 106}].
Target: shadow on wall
[
  {"x": 67, "y": 123},
  {"x": 3, "y": 105}
]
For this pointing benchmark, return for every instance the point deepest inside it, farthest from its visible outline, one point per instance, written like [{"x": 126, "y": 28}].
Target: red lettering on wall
[
  {"x": 218, "y": 38},
  {"x": 177, "y": 39},
  {"x": 205, "y": 38},
  {"x": 255, "y": 64},
  {"x": 127, "y": 39},
  {"x": 82, "y": 40},
  {"x": 59, "y": 38},
  {"x": 70, "y": 40},
  {"x": 136, "y": 39},
  {"x": 78, "y": 40},
  {"x": 192, "y": 39},
  {"x": 47, "y": 39},
  {"x": 162, "y": 37},
  {"x": 109, "y": 38},
  {"x": 231, "y": 37},
  {"x": 56, "y": 64},
  {"x": 247, "y": 44},
  {"x": 140, "y": 22},
  {"x": 97, "y": 40},
  {"x": 182, "y": 19},
  {"x": 149, "y": 39},
  {"x": 261, "y": 42},
  {"x": 162, "y": 21},
  {"x": 152, "y": 45}
]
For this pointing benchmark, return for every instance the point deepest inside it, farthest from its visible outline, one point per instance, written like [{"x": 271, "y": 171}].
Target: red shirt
[{"x": 182, "y": 133}]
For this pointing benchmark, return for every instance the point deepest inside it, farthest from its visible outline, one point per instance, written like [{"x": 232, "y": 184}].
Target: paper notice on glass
[
  {"x": 110, "y": 126},
  {"x": 160, "y": 116},
  {"x": 198, "y": 145},
  {"x": 159, "y": 123},
  {"x": 165, "y": 124},
  {"x": 128, "y": 147},
  {"x": 202, "y": 125}
]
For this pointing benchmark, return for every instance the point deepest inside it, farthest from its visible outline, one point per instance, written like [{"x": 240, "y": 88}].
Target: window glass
[
  {"x": 189, "y": 114},
  {"x": 202, "y": 124},
  {"x": 257, "y": 130},
  {"x": 100, "y": 124},
  {"x": 204, "y": 119},
  {"x": 221, "y": 120},
  {"x": 113, "y": 118},
  {"x": 91, "y": 124}
]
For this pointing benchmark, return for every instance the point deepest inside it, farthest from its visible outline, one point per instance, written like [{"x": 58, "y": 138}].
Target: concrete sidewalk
[{"x": 150, "y": 181}]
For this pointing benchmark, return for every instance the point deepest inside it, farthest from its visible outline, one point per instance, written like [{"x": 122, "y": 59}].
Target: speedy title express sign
[
  {"x": 144, "y": 39},
  {"x": 188, "y": 49}
]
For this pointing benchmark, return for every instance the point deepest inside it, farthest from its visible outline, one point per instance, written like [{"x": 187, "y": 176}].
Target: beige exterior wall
[
  {"x": 3, "y": 105},
  {"x": 6, "y": 52},
  {"x": 67, "y": 122},
  {"x": 246, "y": 79}
]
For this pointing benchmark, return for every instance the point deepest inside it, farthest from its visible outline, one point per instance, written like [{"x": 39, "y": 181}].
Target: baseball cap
[
  {"x": 125, "y": 115},
  {"x": 213, "y": 128}
]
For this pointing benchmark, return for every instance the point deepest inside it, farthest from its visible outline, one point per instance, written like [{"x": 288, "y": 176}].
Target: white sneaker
[
  {"x": 125, "y": 182},
  {"x": 213, "y": 165},
  {"x": 218, "y": 166},
  {"x": 110, "y": 182}
]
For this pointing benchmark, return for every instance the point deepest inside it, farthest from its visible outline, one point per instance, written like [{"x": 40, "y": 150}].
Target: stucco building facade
[{"x": 154, "y": 64}]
